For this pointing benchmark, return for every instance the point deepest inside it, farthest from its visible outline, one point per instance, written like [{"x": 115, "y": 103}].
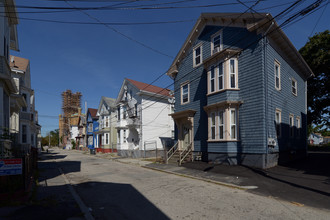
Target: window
[
  {"x": 24, "y": 135},
  {"x": 124, "y": 112},
  {"x": 90, "y": 127},
  {"x": 118, "y": 113},
  {"x": 212, "y": 79},
  {"x": 136, "y": 109},
  {"x": 124, "y": 136},
  {"x": 232, "y": 74},
  {"x": 278, "y": 122},
  {"x": 221, "y": 125},
  {"x": 298, "y": 126},
  {"x": 118, "y": 137},
  {"x": 294, "y": 86},
  {"x": 291, "y": 123},
  {"x": 106, "y": 121},
  {"x": 197, "y": 54},
  {"x": 277, "y": 71},
  {"x": 233, "y": 129},
  {"x": 32, "y": 139},
  {"x": 106, "y": 138},
  {"x": 220, "y": 77},
  {"x": 90, "y": 140},
  {"x": 24, "y": 108},
  {"x": 218, "y": 128},
  {"x": 212, "y": 126},
  {"x": 185, "y": 93},
  {"x": 216, "y": 45}
]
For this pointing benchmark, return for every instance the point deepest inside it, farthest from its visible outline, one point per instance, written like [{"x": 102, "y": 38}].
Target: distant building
[
  {"x": 70, "y": 105},
  {"x": 106, "y": 135},
  {"x": 143, "y": 118},
  {"x": 92, "y": 126}
]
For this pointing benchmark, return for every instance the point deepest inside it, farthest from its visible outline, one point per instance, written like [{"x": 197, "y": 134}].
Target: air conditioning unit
[
  {"x": 216, "y": 50},
  {"x": 271, "y": 142}
]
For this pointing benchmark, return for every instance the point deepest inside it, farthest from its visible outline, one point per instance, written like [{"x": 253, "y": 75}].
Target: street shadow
[
  {"x": 117, "y": 201},
  {"x": 104, "y": 201},
  {"x": 50, "y": 169}
]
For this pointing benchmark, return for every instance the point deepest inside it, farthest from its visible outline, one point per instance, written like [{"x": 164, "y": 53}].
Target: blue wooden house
[
  {"x": 92, "y": 127},
  {"x": 240, "y": 91}
]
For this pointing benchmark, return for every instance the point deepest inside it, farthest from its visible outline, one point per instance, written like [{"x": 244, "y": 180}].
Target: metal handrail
[
  {"x": 185, "y": 153},
  {"x": 173, "y": 150}
]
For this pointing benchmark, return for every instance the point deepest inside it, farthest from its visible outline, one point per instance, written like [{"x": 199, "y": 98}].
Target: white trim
[
  {"x": 278, "y": 123},
  {"x": 278, "y": 64},
  {"x": 291, "y": 126},
  {"x": 235, "y": 73},
  {"x": 200, "y": 55},
  {"x": 219, "y": 33},
  {"x": 188, "y": 93},
  {"x": 233, "y": 123},
  {"x": 295, "y": 86},
  {"x": 223, "y": 125}
]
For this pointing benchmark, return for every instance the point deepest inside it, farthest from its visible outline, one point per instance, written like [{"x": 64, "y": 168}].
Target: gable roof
[
  {"x": 18, "y": 63},
  {"x": 150, "y": 88},
  {"x": 110, "y": 102},
  {"x": 259, "y": 22},
  {"x": 93, "y": 112}
]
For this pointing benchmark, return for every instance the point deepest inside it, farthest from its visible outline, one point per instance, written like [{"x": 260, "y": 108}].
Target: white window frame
[
  {"x": 233, "y": 124},
  {"x": 188, "y": 93},
  {"x": 223, "y": 76},
  {"x": 294, "y": 86},
  {"x": 200, "y": 55},
  {"x": 214, "y": 79},
  {"x": 291, "y": 125},
  {"x": 233, "y": 73},
  {"x": 218, "y": 34},
  {"x": 298, "y": 126},
  {"x": 278, "y": 123},
  {"x": 277, "y": 64},
  {"x": 213, "y": 126},
  {"x": 222, "y": 113}
]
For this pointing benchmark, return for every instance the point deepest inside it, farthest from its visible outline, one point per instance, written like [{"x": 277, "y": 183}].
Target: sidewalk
[
  {"x": 305, "y": 182},
  {"x": 50, "y": 200}
]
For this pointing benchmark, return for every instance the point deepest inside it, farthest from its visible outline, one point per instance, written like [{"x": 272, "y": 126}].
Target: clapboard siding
[{"x": 286, "y": 101}]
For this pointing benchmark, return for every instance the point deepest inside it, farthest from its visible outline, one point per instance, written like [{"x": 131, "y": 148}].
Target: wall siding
[{"x": 286, "y": 101}]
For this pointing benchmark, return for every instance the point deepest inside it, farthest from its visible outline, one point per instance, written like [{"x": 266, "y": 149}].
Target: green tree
[
  {"x": 54, "y": 138},
  {"x": 317, "y": 55}
]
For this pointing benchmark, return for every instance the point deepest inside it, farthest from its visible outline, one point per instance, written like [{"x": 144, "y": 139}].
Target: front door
[{"x": 186, "y": 136}]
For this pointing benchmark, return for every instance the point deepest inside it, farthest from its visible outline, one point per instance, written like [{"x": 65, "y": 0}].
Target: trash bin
[{"x": 92, "y": 151}]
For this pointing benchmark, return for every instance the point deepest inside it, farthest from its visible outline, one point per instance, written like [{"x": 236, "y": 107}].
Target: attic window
[
  {"x": 216, "y": 44},
  {"x": 198, "y": 56}
]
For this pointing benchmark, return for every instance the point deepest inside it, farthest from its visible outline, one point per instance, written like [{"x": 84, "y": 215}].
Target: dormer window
[
  {"x": 216, "y": 42},
  {"x": 197, "y": 54}
]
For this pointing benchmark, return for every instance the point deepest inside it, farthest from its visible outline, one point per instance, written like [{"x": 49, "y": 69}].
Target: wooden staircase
[{"x": 176, "y": 156}]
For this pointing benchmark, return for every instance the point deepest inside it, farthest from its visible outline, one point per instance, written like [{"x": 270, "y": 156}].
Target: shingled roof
[
  {"x": 93, "y": 112},
  {"x": 150, "y": 88},
  {"x": 19, "y": 63}
]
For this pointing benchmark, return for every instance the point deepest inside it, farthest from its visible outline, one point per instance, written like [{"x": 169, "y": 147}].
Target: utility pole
[{"x": 49, "y": 138}]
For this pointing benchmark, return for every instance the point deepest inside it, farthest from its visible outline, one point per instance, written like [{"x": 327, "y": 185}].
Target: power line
[
  {"x": 318, "y": 20},
  {"x": 107, "y": 23},
  {"x": 122, "y": 34}
]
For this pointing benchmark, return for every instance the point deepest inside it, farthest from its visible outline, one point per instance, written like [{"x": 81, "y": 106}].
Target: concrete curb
[{"x": 82, "y": 206}]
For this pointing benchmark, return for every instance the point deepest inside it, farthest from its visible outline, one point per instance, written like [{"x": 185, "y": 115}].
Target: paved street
[{"x": 113, "y": 190}]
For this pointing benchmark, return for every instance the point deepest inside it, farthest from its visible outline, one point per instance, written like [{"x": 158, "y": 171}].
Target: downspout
[{"x": 266, "y": 90}]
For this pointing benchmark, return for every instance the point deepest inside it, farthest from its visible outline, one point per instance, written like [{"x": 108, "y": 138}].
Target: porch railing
[
  {"x": 171, "y": 152},
  {"x": 185, "y": 153}
]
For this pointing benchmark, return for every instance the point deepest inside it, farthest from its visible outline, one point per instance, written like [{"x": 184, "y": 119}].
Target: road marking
[{"x": 75, "y": 195}]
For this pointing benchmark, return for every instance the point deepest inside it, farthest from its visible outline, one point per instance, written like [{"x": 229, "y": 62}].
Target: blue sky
[{"x": 94, "y": 60}]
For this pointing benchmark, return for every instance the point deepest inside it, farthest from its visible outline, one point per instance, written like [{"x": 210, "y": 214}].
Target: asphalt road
[{"x": 113, "y": 190}]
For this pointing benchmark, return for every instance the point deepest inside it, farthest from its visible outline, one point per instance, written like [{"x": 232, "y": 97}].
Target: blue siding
[
  {"x": 286, "y": 101},
  {"x": 255, "y": 80}
]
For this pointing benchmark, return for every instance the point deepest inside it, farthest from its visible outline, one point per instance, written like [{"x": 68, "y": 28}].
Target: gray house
[{"x": 240, "y": 91}]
